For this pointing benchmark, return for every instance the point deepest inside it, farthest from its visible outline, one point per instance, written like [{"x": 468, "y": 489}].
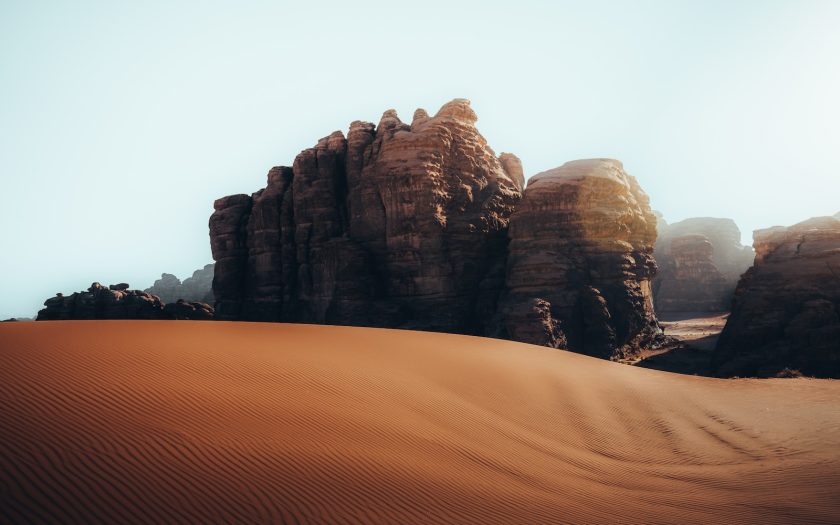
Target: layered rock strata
[
  {"x": 407, "y": 225},
  {"x": 398, "y": 225},
  {"x": 580, "y": 262},
  {"x": 786, "y": 309},
  {"x": 700, "y": 261}
]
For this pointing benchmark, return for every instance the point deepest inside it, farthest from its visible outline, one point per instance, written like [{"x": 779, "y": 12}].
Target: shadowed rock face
[
  {"x": 688, "y": 280},
  {"x": 119, "y": 302},
  {"x": 395, "y": 225},
  {"x": 786, "y": 309},
  {"x": 580, "y": 260},
  {"x": 697, "y": 275},
  {"x": 198, "y": 288}
]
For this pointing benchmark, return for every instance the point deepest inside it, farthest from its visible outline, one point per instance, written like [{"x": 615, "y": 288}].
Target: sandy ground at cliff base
[{"x": 190, "y": 422}]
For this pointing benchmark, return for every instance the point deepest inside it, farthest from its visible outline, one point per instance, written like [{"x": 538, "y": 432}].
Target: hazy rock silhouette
[
  {"x": 786, "y": 309},
  {"x": 700, "y": 261},
  {"x": 406, "y": 225},
  {"x": 197, "y": 288}
]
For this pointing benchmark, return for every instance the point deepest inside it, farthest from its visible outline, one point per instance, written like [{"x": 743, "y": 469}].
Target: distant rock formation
[
  {"x": 198, "y": 288},
  {"x": 406, "y": 225},
  {"x": 118, "y": 302},
  {"x": 397, "y": 225},
  {"x": 581, "y": 260},
  {"x": 786, "y": 310},
  {"x": 700, "y": 261}
]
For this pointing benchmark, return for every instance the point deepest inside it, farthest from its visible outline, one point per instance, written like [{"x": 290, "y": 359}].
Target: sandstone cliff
[
  {"x": 786, "y": 310},
  {"x": 398, "y": 225},
  {"x": 197, "y": 288},
  {"x": 581, "y": 260},
  {"x": 700, "y": 261},
  {"x": 118, "y": 302},
  {"x": 407, "y": 225}
]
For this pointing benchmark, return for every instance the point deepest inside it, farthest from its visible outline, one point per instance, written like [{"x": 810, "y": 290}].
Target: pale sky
[{"x": 121, "y": 122}]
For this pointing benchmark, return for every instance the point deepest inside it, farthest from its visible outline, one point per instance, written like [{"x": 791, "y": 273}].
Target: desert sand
[{"x": 179, "y": 421}]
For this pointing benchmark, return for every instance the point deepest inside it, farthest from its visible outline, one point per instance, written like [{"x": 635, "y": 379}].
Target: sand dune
[{"x": 146, "y": 421}]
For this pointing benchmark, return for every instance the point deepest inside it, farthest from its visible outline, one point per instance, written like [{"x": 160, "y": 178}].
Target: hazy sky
[{"x": 121, "y": 122}]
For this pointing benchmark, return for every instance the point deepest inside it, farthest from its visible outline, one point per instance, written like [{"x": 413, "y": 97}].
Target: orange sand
[{"x": 176, "y": 421}]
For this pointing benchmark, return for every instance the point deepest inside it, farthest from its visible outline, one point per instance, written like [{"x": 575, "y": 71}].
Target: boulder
[
  {"x": 189, "y": 310},
  {"x": 197, "y": 288}
]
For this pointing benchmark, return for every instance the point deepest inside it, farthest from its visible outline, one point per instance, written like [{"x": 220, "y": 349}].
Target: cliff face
[
  {"x": 700, "y": 261},
  {"x": 407, "y": 225},
  {"x": 400, "y": 225},
  {"x": 688, "y": 279},
  {"x": 197, "y": 288},
  {"x": 786, "y": 309},
  {"x": 581, "y": 260}
]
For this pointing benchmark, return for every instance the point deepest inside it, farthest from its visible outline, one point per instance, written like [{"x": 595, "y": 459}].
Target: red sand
[{"x": 176, "y": 421}]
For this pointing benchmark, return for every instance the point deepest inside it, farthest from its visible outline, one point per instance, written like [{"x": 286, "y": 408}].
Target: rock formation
[
  {"x": 581, "y": 260},
  {"x": 406, "y": 225},
  {"x": 118, "y": 302},
  {"x": 700, "y": 261},
  {"x": 786, "y": 309},
  {"x": 189, "y": 310},
  {"x": 397, "y": 225},
  {"x": 198, "y": 288}
]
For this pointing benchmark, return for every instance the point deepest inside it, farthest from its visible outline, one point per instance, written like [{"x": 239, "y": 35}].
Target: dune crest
[{"x": 139, "y": 421}]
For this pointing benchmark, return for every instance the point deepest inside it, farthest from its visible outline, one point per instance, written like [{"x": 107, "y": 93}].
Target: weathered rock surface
[
  {"x": 198, "y": 288},
  {"x": 581, "y": 260},
  {"x": 395, "y": 225},
  {"x": 697, "y": 275},
  {"x": 407, "y": 225},
  {"x": 99, "y": 302},
  {"x": 786, "y": 309},
  {"x": 189, "y": 310},
  {"x": 118, "y": 302}
]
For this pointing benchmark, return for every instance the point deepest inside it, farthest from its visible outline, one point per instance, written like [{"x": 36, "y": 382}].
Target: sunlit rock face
[
  {"x": 581, "y": 261},
  {"x": 398, "y": 225},
  {"x": 786, "y": 309},
  {"x": 700, "y": 261}
]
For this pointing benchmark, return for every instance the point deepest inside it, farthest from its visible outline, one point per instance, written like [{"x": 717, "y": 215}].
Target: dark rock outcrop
[
  {"x": 395, "y": 225},
  {"x": 700, "y": 261},
  {"x": 189, "y": 310},
  {"x": 688, "y": 280},
  {"x": 581, "y": 260},
  {"x": 786, "y": 309},
  {"x": 406, "y": 225},
  {"x": 118, "y": 302},
  {"x": 198, "y": 288},
  {"x": 99, "y": 302}
]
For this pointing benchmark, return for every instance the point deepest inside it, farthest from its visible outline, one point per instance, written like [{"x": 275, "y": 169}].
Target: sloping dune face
[{"x": 156, "y": 421}]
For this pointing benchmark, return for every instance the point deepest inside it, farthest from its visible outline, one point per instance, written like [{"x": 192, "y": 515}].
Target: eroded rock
[
  {"x": 786, "y": 309},
  {"x": 581, "y": 258}
]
